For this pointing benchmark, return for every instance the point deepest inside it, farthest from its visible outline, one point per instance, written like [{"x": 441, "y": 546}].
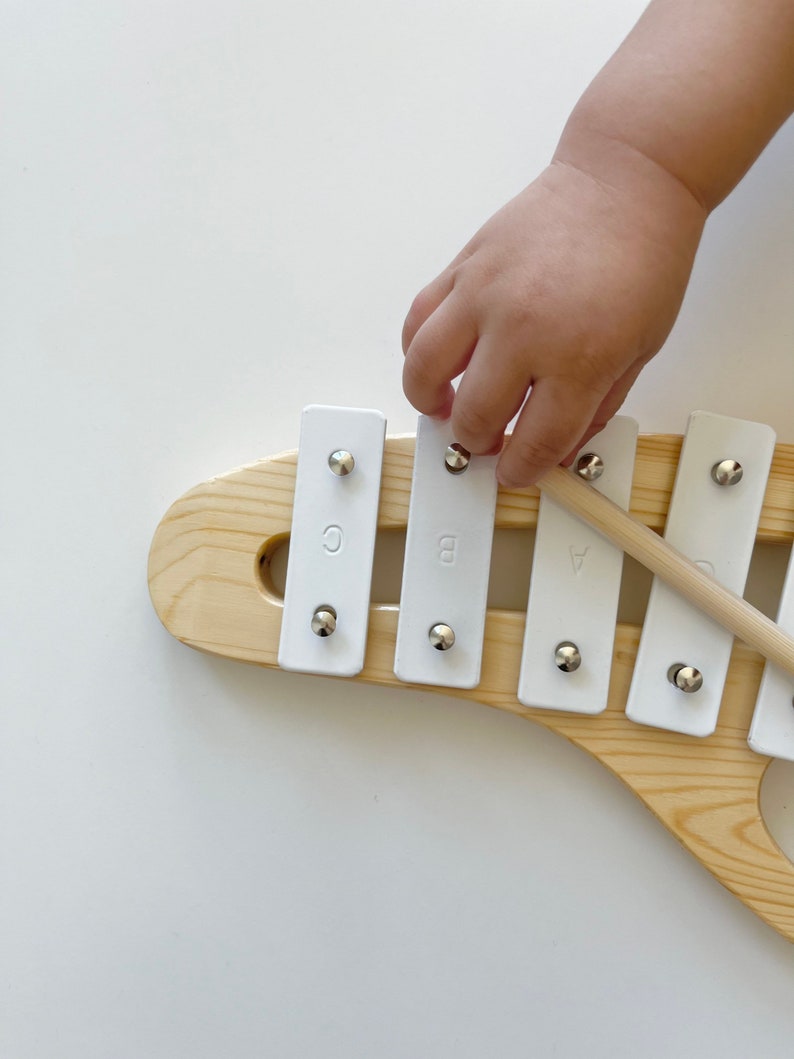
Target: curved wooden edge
[
  {"x": 705, "y": 791},
  {"x": 208, "y": 578}
]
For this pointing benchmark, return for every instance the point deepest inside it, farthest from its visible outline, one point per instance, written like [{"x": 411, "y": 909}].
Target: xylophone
[{"x": 683, "y": 714}]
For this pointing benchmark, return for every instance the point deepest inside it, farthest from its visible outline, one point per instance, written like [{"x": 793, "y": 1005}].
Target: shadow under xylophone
[{"x": 682, "y": 714}]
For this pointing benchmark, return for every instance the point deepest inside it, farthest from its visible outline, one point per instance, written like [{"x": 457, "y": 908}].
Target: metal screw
[
  {"x": 590, "y": 466},
  {"x": 341, "y": 462},
  {"x": 685, "y": 678},
  {"x": 727, "y": 472},
  {"x": 567, "y": 657},
  {"x": 456, "y": 458},
  {"x": 324, "y": 620},
  {"x": 441, "y": 637}
]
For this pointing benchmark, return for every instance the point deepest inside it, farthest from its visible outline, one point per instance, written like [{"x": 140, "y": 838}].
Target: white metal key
[
  {"x": 447, "y": 562},
  {"x": 683, "y": 657},
  {"x": 334, "y": 521},
  {"x": 574, "y": 587},
  {"x": 772, "y": 727}
]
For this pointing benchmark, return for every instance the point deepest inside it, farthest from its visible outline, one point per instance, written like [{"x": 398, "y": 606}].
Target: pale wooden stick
[{"x": 724, "y": 606}]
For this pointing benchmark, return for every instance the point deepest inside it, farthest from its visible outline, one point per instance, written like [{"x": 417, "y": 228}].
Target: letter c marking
[{"x": 333, "y": 539}]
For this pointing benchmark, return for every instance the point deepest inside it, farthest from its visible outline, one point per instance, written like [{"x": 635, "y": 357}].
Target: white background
[{"x": 213, "y": 214}]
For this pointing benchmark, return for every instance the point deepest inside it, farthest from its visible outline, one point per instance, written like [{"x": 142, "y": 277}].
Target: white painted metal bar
[
  {"x": 772, "y": 727},
  {"x": 574, "y": 589},
  {"x": 714, "y": 525},
  {"x": 447, "y": 563},
  {"x": 334, "y": 522}
]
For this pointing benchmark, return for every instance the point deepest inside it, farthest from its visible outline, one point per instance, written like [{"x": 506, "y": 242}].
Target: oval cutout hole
[{"x": 777, "y": 804}]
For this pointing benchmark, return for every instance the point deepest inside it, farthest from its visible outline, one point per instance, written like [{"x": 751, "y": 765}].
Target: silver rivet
[
  {"x": 567, "y": 657},
  {"x": 324, "y": 620},
  {"x": 685, "y": 678},
  {"x": 441, "y": 637},
  {"x": 727, "y": 472},
  {"x": 590, "y": 466},
  {"x": 456, "y": 458},
  {"x": 341, "y": 462}
]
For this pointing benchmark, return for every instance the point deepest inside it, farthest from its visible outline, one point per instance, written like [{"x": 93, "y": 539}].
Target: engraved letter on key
[
  {"x": 578, "y": 558},
  {"x": 333, "y": 539},
  {"x": 446, "y": 549}
]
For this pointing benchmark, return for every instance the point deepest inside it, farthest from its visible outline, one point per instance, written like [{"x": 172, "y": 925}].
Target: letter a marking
[{"x": 578, "y": 558}]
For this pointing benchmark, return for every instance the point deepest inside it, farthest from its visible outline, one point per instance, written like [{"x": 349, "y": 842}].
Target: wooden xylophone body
[{"x": 210, "y": 579}]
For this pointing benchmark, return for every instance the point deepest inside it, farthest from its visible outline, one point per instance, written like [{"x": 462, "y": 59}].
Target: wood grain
[{"x": 209, "y": 578}]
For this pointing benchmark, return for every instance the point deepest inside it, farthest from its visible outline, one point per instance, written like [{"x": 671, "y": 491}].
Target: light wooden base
[{"x": 209, "y": 578}]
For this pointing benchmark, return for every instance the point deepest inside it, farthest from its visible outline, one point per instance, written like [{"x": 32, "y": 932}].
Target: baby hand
[{"x": 565, "y": 294}]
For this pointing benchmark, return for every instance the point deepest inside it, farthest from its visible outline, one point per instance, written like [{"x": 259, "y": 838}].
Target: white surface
[
  {"x": 214, "y": 214},
  {"x": 714, "y": 526},
  {"x": 332, "y": 542},
  {"x": 772, "y": 727},
  {"x": 447, "y": 562},
  {"x": 574, "y": 588}
]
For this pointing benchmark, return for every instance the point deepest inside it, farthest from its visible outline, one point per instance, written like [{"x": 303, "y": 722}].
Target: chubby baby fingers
[
  {"x": 610, "y": 405},
  {"x": 424, "y": 305},
  {"x": 553, "y": 419},
  {"x": 490, "y": 393},
  {"x": 438, "y": 353}
]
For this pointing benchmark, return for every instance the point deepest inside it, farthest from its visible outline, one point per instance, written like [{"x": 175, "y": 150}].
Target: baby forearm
[
  {"x": 698, "y": 88},
  {"x": 553, "y": 308}
]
